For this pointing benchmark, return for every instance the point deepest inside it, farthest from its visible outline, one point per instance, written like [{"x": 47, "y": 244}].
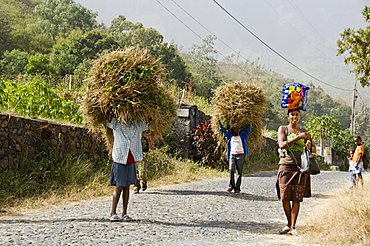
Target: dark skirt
[
  {"x": 291, "y": 184},
  {"x": 123, "y": 175}
]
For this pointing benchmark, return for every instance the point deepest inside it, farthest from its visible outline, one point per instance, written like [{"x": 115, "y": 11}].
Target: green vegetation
[
  {"x": 55, "y": 179},
  {"x": 49, "y": 172},
  {"x": 355, "y": 44},
  {"x": 37, "y": 98}
]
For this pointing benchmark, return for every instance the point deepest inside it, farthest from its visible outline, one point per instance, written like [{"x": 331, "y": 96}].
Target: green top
[
  {"x": 298, "y": 145},
  {"x": 296, "y": 148}
]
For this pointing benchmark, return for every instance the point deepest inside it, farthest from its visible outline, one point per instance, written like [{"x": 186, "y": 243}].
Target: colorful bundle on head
[{"x": 294, "y": 96}]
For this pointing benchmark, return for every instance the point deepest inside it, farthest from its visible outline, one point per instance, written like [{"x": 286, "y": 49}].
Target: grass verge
[
  {"x": 55, "y": 180},
  {"x": 344, "y": 220}
]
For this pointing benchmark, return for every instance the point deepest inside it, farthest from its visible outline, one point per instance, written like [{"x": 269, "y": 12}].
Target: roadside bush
[
  {"x": 158, "y": 163},
  {"x": 205, "y": 143},
  {"x": 49, "y": 172},
  {"x": 37, "y": 98},
  {"x": 261, "y": 161}
]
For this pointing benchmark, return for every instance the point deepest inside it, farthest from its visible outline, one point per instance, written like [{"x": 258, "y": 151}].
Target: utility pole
[{"x": 353, "y": 120}]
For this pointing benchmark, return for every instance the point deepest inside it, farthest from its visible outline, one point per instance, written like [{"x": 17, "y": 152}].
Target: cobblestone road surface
[{"x": 199, "y": 213}]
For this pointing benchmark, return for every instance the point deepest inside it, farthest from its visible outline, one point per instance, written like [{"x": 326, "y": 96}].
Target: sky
[{"x": 303, "y": 31}]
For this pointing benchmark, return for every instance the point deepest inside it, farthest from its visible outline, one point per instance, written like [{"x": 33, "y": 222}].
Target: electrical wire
[
  {"x": 196, "y": 34},
  {"x": 209, "y": 31},
  {"x": 274, "y": 51}
]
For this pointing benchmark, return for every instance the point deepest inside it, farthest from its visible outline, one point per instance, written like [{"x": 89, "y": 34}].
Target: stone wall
[
  {"x": 179, "y": 138},
  {"x": 24, "y": 139}
]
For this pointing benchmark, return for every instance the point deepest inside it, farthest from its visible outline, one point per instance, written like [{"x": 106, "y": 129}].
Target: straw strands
[
  {"x": 127, "y": 84},
  {"x": 238, "y": 104}
]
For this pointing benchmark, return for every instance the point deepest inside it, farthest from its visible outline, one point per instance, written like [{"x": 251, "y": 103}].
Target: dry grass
[
  {"x": 182, "y": 172},
  {"x": 344, "y": 220},
  {"x": 237, "y": 104},
  {"x": 128, "y": 85}
]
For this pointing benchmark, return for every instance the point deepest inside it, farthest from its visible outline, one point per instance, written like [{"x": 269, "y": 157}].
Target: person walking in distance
[
  {"x": 142, "y": 166},
  {"x": 358, "y": 163},
  {"x": 237, "y": 150}
]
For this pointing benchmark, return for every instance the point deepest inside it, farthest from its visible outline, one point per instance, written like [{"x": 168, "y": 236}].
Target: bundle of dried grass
[
  {"x": 238, "y": 104},
  {"x": 127, "y": 84}
]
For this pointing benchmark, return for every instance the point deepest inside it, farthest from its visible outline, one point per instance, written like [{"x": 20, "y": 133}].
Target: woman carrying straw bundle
[
  {"x": 127, "y": 95},
  {"x": 126, "y": 151}
]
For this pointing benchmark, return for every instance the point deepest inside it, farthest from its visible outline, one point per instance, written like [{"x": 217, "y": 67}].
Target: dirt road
[{"x": 199, "y": 213}]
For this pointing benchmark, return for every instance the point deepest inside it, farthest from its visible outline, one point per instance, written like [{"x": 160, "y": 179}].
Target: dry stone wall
[{"x": 23, "y": 139}]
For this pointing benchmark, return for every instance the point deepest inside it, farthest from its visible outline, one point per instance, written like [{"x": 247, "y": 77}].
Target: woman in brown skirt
[{"x": 291, "y": 184}]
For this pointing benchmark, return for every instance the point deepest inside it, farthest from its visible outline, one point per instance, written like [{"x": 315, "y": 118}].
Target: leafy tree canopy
[
  {"x": 204, "y": 67},
  {"x": 59, "y": 17},
  {"x": 13, "y": 62},
  {"x": 69, "y": 52},
  {"x": 356, "y": 44}
]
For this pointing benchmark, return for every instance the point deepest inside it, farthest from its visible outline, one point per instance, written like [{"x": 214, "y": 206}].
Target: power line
[
  {"x": 358, "y": 93},
  {"x": 197, "y": 34},
  {"x": 169, "y": 11},
  {"x": 274, "y": 51},
  {"x": 209, "y": 31},
  {"x": 299, "y": 32}
]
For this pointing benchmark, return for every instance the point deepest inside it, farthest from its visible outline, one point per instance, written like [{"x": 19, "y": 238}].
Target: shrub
[
  {"x": 49, "y": 172},
  {"x": 37, "y": 98},
  {"x": 205, "y": 143},
  {"x": 158, "y": 163}
]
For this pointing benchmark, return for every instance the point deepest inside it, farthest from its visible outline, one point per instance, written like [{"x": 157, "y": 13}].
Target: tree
[
  {"x": 175, "y": 65},
  {"x": 13, "y": 62},
  {"x": 362, "y": 121},
  {"x": 323, "y": 127},
  {"x": 203, "y": 66},
  {"x": 127, "y": 34},
  {"x": 68, "y": 53},
  {"x": 357, "y": 45},
  {"x": 38, "y": 64},
  {"x": 59, "y": 17},
  {"x": 5, "y": 34}
]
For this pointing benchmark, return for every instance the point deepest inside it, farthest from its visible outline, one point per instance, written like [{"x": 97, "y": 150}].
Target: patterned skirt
[{"x": 291, "y": 184}]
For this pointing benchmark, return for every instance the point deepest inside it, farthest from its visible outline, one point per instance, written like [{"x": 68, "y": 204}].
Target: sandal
[
  {"x": 293, "y": 232},
  {"x": 127, "y": 218},
  {"x": 285, "y": 230},
  {"x": 114, "y": 218}
]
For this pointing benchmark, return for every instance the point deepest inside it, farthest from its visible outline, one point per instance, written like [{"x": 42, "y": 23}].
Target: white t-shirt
[{"x": 236, "y": 145}]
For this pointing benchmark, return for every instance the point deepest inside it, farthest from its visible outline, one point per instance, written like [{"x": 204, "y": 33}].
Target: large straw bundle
[
  {"x": 238, "y": 104},
  {"x": 128, "y": 85}
]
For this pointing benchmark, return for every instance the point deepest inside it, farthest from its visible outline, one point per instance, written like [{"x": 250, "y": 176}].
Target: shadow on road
[
  {"x": 240, "y": 225},
  {"x": 247, "y": 226},
  {"x": 244, "y": 196}
]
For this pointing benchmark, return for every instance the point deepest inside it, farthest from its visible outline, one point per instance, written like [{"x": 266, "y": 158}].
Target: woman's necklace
[{"x": 293, "y": 129}]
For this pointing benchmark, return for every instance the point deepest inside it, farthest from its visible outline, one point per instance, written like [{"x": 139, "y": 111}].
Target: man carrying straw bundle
[
  {"x": 237, "y": 151},
  {"x": 238, "y": 109}
]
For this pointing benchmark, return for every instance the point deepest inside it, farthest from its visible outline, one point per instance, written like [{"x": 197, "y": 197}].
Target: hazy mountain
[{"x": 303, "y": 31}]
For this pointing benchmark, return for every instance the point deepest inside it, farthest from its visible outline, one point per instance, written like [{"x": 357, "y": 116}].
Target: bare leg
[
  {"x": 360, "y": 179},
  {"x": 116, "y": 194},
  {"x": 295, "y": 212},
  {"x": 288, "y": 212},
  {"x": 125, "y": 197}
]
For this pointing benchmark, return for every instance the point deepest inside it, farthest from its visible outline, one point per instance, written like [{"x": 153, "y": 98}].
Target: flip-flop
[{"x": 285, "y": 230}]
